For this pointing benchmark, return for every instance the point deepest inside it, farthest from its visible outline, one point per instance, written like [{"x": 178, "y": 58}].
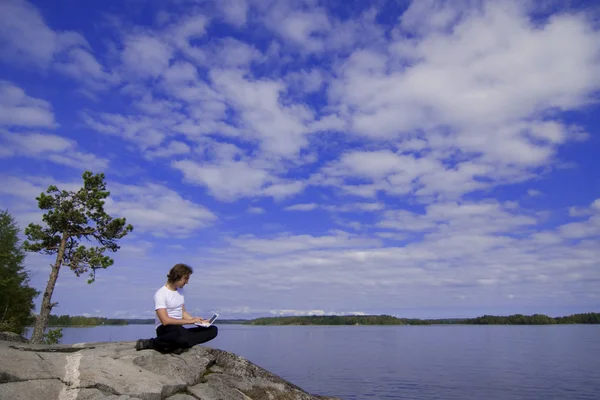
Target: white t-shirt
[{"x": 172, "y": 300}]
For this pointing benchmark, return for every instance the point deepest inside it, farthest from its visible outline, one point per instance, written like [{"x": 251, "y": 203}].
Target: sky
[{"x": 423, "y": 159}]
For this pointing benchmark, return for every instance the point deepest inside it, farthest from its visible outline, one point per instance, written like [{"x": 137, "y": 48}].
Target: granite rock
[{"x": 111, "y": 371}]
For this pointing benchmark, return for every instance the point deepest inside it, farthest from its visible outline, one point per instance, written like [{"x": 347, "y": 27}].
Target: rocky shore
[{"x": 115, "y": 370}]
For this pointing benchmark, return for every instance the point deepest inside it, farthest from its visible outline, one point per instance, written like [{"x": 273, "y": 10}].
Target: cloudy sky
[{"x": 421, "y": 159}]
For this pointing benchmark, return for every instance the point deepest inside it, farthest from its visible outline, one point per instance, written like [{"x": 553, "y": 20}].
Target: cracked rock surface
[{"x": 111, "y": 371}]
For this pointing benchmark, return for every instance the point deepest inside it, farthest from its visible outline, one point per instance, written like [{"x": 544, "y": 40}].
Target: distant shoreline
[{"x": 335, "y": 320}]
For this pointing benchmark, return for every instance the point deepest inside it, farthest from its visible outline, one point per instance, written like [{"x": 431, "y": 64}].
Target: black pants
[{"x": 171, "y": 337}]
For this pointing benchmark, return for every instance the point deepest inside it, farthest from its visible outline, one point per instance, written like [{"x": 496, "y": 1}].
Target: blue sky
[{"x": 421, "y": 159}]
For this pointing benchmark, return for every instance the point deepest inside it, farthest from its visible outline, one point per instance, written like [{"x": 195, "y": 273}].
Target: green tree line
[
  {"x": 535, "y": 319},
  {"x": 67, "y": 320},
  {"x": 516, "y": 319}
]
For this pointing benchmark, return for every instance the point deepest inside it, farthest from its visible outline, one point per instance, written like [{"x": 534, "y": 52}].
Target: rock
[
  {"x": 27, "y": 390},
  {"x": 182, "y": 397},
  {"x": 12, "y": 337},
  {"x": 116, "y": 371}
]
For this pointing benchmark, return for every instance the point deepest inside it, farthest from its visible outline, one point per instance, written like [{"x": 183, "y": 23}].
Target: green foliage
[
  {"x": 53, "y": 336},
  {"x": 70, "y": 218},
  {"x": 535, "y": 319},
  {"x": 67, "y": 320},
  {"x": 16, "y": 296},
  {"x": 516, "y": 319},
  {"x": 73, "y": 216},
  {"x": 585, "y": 318},
  {"x": 415, "y": 321}
]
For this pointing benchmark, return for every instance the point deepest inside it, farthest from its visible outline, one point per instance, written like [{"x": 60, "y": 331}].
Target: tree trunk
[
  {"x": 42, "y": 321},
  {"x": 5, "y": 311}
]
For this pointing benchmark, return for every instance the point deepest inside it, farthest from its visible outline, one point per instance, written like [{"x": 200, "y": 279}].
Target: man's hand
[{"x": 198, "y": 320}]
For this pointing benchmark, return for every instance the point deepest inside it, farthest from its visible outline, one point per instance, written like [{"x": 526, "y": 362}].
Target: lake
[{"x": 411, "y": 362}]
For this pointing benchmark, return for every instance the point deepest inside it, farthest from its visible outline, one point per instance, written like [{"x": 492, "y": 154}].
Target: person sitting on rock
[{"x": 171, "y": 335}]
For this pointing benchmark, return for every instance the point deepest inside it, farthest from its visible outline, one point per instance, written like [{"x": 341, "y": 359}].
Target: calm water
[{"x": 411, "y": 362}]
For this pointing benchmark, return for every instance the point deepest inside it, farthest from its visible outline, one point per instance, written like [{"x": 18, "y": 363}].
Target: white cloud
[
  {"x": 585, "y": 211},
  {"x": 79, "y": 160},
  {"x": 173, "y": 148},
  {"x": 182, "y": 32},
  {"x": 281, "y": 190},
  {"x": 355, "y": 207},
  {"x": 23, "y": 188},
  {"x": 280, "y": 128},
  {"x": 306, "y": 81},
  {"x": 383, "y": 163},
  {"x": 234, "y": 11},
  {"x": 392, "y": 236},
  {"x": 298, "y": 312},
  {"x": 256, "y": 210},
  {"x": 136, "y": 250},
  {"x": 308, "y": 28},
  {"x": 49, "y": 147},
  {"x": 145, "y": 56},
  {"x": 142, "y": 130},
  {"x": 154, "y": 106},
  {"x": 588, "y": 228},
  {"x": 231, "y": 53},
  {"x": 426, "y": 16},
  {"x": 473, "y": 218},
  {"x": 400, "y": 174},
  {"x": 487, "y": 248},
  {"x": 82, "y": 66},
  {"x": 302, "y": 207},
  {"x": 403, "y": 220},
  {"x": 158, "y": 210},
  {"x": 226, "y": 181},
  {"x": 485, "y": 91},
  {"x": 180, "y": 72},
  {"x": 18, "y": 109},
  {"x": 534, "y": 193},
  {"x": 304, "y": 28},
  {"x": 229, "y": 174},
  {"x": 25, "y": 39},
  {"x": 294, "y": 243}
]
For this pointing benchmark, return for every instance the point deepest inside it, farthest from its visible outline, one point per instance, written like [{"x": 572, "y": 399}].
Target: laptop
[{"x": 210, "y": 321}]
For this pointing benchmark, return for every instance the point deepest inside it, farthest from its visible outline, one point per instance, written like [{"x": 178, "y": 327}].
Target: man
[{"x": 171, "y": 335}]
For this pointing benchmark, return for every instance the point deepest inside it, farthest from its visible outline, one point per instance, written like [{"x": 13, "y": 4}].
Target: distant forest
[
  {"x": 516, "y": 319},
  {"x": 67, "y": 320}
]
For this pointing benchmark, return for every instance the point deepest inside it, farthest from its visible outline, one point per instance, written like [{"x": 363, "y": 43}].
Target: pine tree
[
  {"x": 16, "y": 296},
  {"x": 70, "y": 218}
]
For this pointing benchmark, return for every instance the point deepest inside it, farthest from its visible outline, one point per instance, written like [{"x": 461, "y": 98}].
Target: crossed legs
[{"x": 174, "y": 337}]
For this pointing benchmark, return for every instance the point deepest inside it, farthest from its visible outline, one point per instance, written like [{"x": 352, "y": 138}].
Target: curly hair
[{"x": 179, "y": 271}]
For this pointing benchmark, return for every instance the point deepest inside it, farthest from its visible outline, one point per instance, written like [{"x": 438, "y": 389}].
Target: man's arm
[
  {"x": 166, "y": 320},
  {"x": 188, "y": 316}
]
